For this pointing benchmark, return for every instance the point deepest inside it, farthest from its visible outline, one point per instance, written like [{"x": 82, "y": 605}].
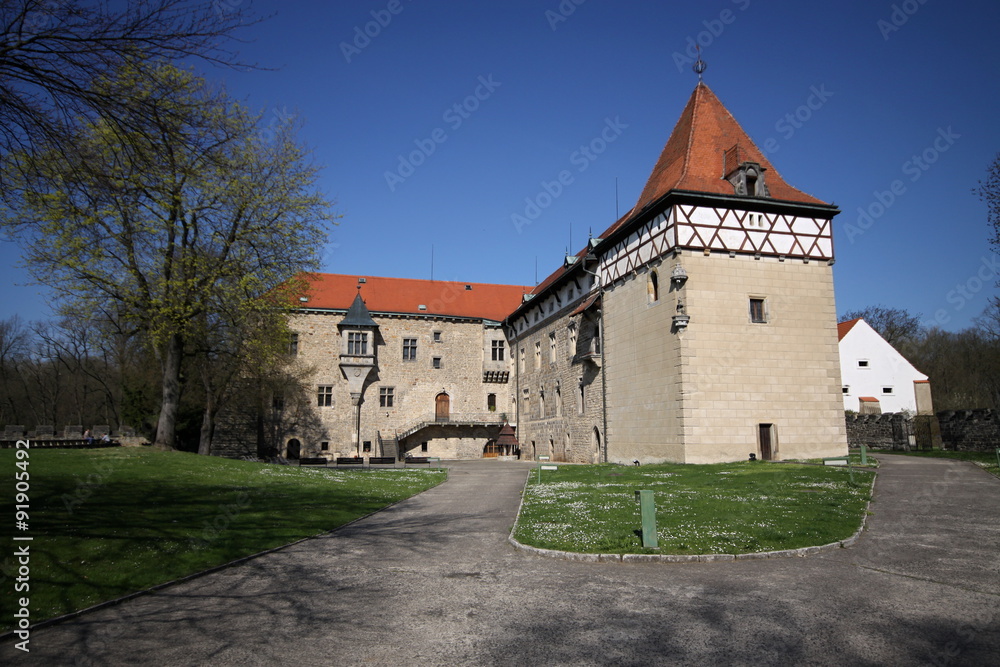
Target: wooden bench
[
  {"x": 417, "y": 459},
  {"x": 349, "y": 461},
  {"x": 315, "y": 461},
  {"x": 381, "y": 460}
]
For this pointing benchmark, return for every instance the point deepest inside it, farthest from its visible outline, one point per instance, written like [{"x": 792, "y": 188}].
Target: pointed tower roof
[
  {"x": 694, "y": 158},
  {"x": 358, "y": 315},
  {"x": 507, "y": 436}
]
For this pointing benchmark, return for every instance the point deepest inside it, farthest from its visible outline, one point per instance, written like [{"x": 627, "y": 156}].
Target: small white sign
[
  {"x": 544, "y": 467},
  {"x": 835, "y": 462}
]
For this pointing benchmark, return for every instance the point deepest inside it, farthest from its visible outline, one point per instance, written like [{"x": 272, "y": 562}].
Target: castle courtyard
[{"x": 434, "y": 581}]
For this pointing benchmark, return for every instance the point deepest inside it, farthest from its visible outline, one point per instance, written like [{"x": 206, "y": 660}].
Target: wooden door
[
  {"x": 294, "y": 449},
  {"x": 765, "y": 442},
  {"x": 442, "y": 407}
]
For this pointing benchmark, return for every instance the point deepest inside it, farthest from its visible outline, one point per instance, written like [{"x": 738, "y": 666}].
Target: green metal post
[
  {"x": 864, "y": 455},
  {"x": 647, "y": 509},
  {"x": 998, "y": 456}
]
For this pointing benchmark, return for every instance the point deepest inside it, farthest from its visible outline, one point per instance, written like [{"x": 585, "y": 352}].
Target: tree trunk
[
  {"x": 166, "y": 427},
  {"x": 207, "y": 422},
  {"x": 207, "y": 429}
]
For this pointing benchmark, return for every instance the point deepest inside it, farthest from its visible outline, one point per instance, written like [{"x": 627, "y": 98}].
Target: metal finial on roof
[{"x": 699, "y": 66}]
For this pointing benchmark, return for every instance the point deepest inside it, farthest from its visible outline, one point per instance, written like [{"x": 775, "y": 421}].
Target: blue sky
[{"x": 886, "y": 107}]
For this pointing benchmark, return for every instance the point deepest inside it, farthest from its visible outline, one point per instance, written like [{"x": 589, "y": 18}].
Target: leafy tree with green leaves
[{"x": 181, "y": 208}]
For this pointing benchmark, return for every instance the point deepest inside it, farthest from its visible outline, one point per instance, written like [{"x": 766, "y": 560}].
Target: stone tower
[{"x": 716, "y": 330}]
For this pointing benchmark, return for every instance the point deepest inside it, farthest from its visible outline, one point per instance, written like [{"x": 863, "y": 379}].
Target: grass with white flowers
[{"x": 729, "y": 508}]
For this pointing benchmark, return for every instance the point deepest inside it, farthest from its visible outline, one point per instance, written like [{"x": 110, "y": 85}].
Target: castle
[{"x": 700, "y": 327}]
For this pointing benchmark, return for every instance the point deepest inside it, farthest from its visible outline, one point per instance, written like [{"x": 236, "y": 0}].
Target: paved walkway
[{"x": 433, "y": 581}]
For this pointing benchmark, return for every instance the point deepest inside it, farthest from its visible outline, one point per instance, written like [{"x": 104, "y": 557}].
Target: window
[
  {"x": 437, "y": 336},
  {"x": 386, "y": 396},
  {"x": 572, "y": 340},
  {"x": 293, "y": 344},
  {"x": 541, "y": 402},
  {"x": 423, "y": 446},
  {"x": 437, "y": 362},
  {"x": 538, "y": 354},
  {"x": 498, "y": 350},
  {"x": 581, "y": 399},
  {"x": 847, "y": 389},
  {"x": 366, "y": 446},
  {"x": 324, "y": 446},
  {"x": 558, "y": 399},
  {"x": 758, "y": 313},
  {"x": 324, "y": 396},
  {"x": 357, "y": 342},
  {"x": 863, "y": 363},
  {"x": 887, "y": 390},
  {"x": 278, "y": 403},
  {"x": 653, "y": 288},
  {"x": 409, "y": 349},
  {"x": 552, "y": 347},
  {"x": 521, "y": 360},
  {"x": 491, "y": 402}
]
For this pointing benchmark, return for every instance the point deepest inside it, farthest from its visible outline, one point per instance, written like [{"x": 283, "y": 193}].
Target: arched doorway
[
  {"x": 596, "y": 444},
  {"x": 293, "y": 450},
  {"x": 442, "y": 407}
]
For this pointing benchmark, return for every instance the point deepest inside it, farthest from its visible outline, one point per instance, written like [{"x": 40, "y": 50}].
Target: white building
[{"x": 876, "y": 377}]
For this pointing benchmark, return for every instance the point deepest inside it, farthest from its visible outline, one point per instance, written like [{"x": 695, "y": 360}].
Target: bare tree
[
  {"x": 897, "y": 326},
  {"x": 51, "y": 52},
  {"x": 989, "y": 192}
]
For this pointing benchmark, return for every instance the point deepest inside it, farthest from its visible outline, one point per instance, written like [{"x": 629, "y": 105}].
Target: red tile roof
[
  {"x": 693, "y": 156},
  {"x": 868, "y": 399},
  {"x": 844, "y": 327},
  {"x": 692, "y": 160},
  {"x": 405, "y": 296}
]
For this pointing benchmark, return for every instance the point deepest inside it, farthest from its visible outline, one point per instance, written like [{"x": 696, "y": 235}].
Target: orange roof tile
[
  {"x": 868, "y": 399},
  {"x": 844, "y": 327},
  {"x": 693, "y": 157},
  {"x": 406, "y": 295},
  {"x": 692, "y": 160}
]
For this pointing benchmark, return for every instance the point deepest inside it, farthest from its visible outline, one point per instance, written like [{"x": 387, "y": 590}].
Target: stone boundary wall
[
  {"x": 877, "y": 430},
  {"x": 970, "y": 430},
  {"x": 961, "y": 430}
]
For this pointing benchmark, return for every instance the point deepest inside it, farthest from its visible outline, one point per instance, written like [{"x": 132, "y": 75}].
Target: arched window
[{"x": 653, "y": 287}]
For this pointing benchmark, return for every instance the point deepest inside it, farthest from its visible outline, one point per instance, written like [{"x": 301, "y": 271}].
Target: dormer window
[
  {"x": 751, "y": 179},
  {"x": 746, "y": 177}
]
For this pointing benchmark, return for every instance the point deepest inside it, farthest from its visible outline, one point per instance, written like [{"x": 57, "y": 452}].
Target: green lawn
[
  {"x": 985, "y": 460},
  {"x": 109, "y": 522},
  {"x": 727, "y": 508}
]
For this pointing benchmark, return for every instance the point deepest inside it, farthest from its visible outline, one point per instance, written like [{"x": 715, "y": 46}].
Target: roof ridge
[{"x": 694, "y": 122}]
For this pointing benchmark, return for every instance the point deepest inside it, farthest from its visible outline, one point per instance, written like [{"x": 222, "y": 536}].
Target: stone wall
[
  {"x": 962, "y": 430},
  {"x": 560, "y": 393},
  {"x": 453, "y": 357},
  {"x": 884, "y": 431},
  {"x": 970, "y": 430}
]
